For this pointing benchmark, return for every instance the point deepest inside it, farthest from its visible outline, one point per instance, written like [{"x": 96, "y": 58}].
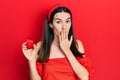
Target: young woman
[{"x": 59, "y": 56}]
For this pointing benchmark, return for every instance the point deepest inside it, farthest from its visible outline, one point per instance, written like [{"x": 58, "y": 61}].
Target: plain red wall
[{"x": 96, "y": 23}]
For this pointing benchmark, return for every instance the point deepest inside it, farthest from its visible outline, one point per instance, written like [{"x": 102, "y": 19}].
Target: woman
[{"x": 59, "y": 56}]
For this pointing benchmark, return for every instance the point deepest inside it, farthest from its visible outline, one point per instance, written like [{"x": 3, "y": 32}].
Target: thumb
[{"x": 34, "y": 48}]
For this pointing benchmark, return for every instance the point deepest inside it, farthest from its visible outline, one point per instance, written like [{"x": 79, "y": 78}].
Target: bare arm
[
  {"x": 33, "y": 71},
  {"x": 31, "y": 55},
  {"x": 79, "y": 69}
]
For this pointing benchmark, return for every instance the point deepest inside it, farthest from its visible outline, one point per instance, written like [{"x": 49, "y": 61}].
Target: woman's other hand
[{"x": 30, "y": 53}]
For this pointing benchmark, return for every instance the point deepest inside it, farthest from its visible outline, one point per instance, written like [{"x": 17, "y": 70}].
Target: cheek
[
  {"x": 57, "y": 30},
  {"x": 57, "y": 27},
  {"x": 68, "y": 28}
]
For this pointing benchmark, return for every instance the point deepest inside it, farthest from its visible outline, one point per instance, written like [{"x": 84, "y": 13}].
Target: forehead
[{"x": 62, "y": 15}]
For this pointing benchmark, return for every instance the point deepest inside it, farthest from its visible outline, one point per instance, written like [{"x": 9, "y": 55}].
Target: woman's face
[{"x": 61, "y": 22}]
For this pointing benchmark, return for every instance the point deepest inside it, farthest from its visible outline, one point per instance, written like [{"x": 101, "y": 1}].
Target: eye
[
  {"x": 58, "y": 22},
  {"x": 68, "y": 21}
]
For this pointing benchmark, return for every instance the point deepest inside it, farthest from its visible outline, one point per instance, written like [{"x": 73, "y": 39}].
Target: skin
[{"x": 61, "y": 26}]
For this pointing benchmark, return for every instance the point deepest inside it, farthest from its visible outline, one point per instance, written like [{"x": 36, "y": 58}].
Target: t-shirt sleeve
[
  {"x": 39, "y": 68},
  {"x": 87, "y": 64}
]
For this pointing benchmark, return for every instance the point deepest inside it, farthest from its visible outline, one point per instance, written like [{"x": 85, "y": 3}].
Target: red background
[{"x": 96, "y": 23}]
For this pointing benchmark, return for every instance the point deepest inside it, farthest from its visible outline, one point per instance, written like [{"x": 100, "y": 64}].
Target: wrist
[
  {"x": 32, "y": 62},
  {"x": 67, "y": 52}
]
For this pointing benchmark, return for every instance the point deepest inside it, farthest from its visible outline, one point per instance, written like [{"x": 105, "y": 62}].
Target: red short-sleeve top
[{"x": 60, "y": 69}]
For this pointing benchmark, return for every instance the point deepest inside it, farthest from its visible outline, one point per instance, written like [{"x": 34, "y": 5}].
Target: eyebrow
[{"x": 61, "y": 19}]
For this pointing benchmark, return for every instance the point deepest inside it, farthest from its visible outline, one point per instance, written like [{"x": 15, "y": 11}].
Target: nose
[{"x": 63, "y": 26}]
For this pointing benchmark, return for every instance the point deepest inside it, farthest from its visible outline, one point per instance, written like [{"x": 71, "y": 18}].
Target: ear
[{"x": 50, "y": 25}]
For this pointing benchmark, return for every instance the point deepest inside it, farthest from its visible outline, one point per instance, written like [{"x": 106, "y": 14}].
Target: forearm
[
  {"x": 79, "y": 70},
  {"x": 33, "y": 71}
]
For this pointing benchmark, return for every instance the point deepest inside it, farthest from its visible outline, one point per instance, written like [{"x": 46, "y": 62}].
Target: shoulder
[{"x": 80, "y": 46}]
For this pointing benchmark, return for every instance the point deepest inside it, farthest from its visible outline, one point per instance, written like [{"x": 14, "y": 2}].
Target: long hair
[{"x": 44, "y": 52}]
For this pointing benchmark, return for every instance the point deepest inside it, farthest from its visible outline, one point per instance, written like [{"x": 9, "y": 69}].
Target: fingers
[
  {"x": 60, "y": 37},
  {"x": 35, "y": 49},
  {"x": 30, "y": 53},
  {"x": 63, "y": 35},
  {"x": 71, "y": 38},
  {"x": 24, "y": 49},
  {"x": 66, "y": 36},
  {"x": 24, "y": 46}
]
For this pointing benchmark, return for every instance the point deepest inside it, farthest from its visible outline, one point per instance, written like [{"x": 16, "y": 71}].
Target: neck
[{"x": 55, "y": 42}]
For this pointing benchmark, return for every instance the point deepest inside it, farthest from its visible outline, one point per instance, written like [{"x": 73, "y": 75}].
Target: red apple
[{"x": 29, "y": 44}]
